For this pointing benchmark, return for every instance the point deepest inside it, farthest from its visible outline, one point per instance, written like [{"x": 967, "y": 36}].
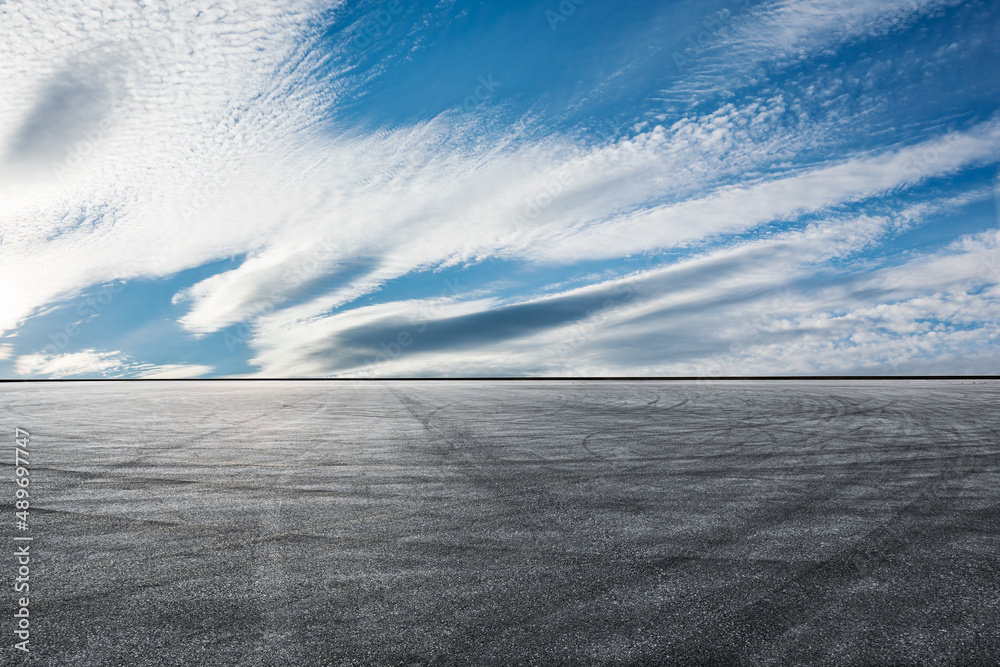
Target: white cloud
[
  {"x": 316, "y": 346},
  {"x": 739, "y": 47},
  {"x": 458, "y": 208},
  {"x": 730, "y": 209},
  {"x": 794, "y": 324},
  {"x": 754, "y": 308},
  {"x": 175, "y": 371},
  {"x": 85, "y": 362},
  {"x": 124, "y": 131},
  {"x": 736, "y": 208},
  {"x": 420, "y": 197},
  {"x": 92, "y": 362}
]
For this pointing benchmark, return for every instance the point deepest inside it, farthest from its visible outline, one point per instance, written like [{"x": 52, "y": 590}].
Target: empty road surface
[{"x": 507, "y": 523}]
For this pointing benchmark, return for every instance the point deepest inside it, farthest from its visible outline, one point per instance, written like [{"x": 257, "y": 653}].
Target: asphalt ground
[{"x": 507, "y": 523}]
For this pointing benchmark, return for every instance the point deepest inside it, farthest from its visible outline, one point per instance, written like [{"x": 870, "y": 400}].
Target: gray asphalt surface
[{"x": 509, "y": 523}]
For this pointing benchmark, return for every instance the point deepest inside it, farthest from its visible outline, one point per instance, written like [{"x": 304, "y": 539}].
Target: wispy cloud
[
  {"x": 682, "y": 317},
  {"x": 92, "y": 362},
  {"x": 175, "y": 372},
  {"x": 742, "y": 44},
  {"x": 562, "y": 205},
  {"x": 123, "y": 129},
  {"x": 85, "y": 362},
  {"x": 130, "y": 150}
]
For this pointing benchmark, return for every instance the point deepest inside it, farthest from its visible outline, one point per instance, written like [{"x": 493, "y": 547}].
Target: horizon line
[{"x": 515, "y": 378}]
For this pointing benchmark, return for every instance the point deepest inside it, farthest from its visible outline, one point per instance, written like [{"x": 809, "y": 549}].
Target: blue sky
[{"x": 304, "y": 189}]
